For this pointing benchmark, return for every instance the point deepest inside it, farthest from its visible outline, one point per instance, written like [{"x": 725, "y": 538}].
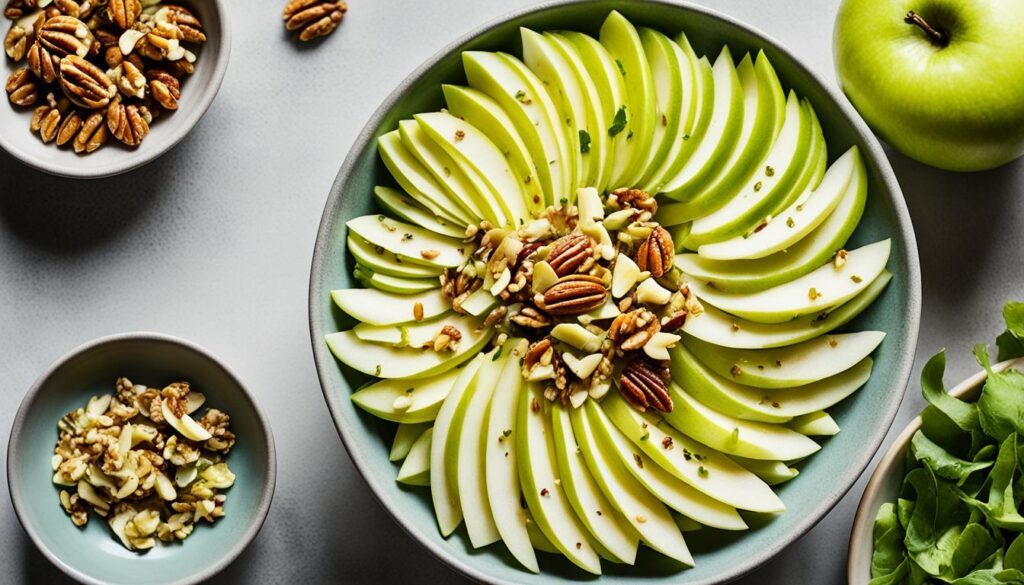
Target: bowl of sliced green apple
[{"x": 598, "y": 282}]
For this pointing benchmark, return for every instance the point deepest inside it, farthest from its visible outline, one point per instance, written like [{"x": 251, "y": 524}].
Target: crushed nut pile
[
  {"x": 597, "y": 296},
  {"x": 313, "y": 18},
  {"x": 98, "y": 68},
  {"x": 139, "y": 459}
]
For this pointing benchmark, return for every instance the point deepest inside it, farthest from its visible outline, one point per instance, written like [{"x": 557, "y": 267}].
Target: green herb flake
[
  {"x": 702, "y": 471},
  {"x": 584, "y": 142},
  {"x": 622, "y": 69},
  {"x": 619, "y": 123}
]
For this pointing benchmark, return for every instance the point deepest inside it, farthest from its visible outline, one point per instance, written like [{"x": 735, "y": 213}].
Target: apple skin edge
[{"x": 957, "y": 107}]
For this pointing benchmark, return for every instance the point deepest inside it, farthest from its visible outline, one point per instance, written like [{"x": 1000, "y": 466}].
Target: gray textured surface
[{"x": 213, "y": 242}]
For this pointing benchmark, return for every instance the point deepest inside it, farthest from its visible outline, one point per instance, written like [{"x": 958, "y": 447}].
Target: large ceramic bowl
[
  {"x": 885, "y": 482},
  {"x": 197, "y": 93},
  {"x": 824, "y": 478},
  {"x": 93, "y": 554}
]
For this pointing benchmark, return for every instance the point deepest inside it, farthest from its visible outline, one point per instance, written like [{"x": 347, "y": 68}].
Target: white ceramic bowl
[
  {"x": 197, "y": 93},
  {"x": 885, "y": 481}
]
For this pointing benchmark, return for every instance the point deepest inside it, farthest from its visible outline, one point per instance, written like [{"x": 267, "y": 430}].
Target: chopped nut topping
[
  {"x": 839, "y": 260},
  {"x": 314, "y": 18}
]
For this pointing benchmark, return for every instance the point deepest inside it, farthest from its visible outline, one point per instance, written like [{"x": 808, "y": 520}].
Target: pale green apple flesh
[
  {"x": 407, "y": 208},
  {"x": 604, "y": 522},
  {"x": 666, "y": 72},
  {"x": 375, "y": 307},
  {"x": 542, "y": 490},
  {"x": 771, "y": 472},
  {"x": 409, "y": 242},
  {"x": 808, "y": 254},
  {"x": 751, "y": 439},
  {"x": 393, "y": 284},
  {"x": 719, "y": 328},
  {"x": 721, "y": 479},
  {"x": 443, "y": 492},
  {"x": 501, "y": 467},
  {"x": 829, "y": 286},
  {"x": 415, "y": 469},
  {"x": 405, "y": 402},
  {"x": 380, "y": 260},
  {"x": 796, "y": 221},
  {"x": 416, "y": 179},
  {"x": 405, "y": 437},
  {"x": 785, "y": 367},
  {"x": 815, "y": 424},
  {"x": 644, "y": 512}
]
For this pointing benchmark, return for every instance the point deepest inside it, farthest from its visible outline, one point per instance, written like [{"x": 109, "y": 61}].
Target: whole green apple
[{"x": 942, "y": 81}]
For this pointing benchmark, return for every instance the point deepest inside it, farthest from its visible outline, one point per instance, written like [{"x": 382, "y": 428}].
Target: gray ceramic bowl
[
  {"x": 885, "y": 482},
  {"x": 93, "y": 554},
  {"x": 824, "y": 478},
  {"x": 197, "y": 93}
]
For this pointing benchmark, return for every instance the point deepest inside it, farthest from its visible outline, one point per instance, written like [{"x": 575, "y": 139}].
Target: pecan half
[
  {"x": 626, "y": 198},
  {"x": 66, "y": 35},
  {"x": 21, "y": 88},
  {"x": 633, "y": 329},
  {"x": 44, "y": 64},
  {"x": 191, "y": 28},
  {"x": 45, "y": 121},
  {"x": 645, "y": 387},
  {"x": 315, "y": 18},
  {"x": 15, "y": 9},
  {"x": 530, "y": 318},
  {"x": 93, "y": 133},
  {"x": 124, "y": 13},
  {"x": 656, "y": 252},
  {"x": 569, "y": 253},
  {"x": 69, "y": 128},
  {"x": 675, "y": 321},
  {"x": 538, "y": 352},
  {"x": 17, "y": 41},
  {"x": 85, "y": 84},
  {"x": 575, "y": 294},
  {"x": 129, "y": 78},
  {"x": 164, "y": 88},
  {"x": 129, "y": 124}
]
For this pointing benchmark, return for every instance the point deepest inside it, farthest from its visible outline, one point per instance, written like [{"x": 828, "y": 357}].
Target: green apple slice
[
  {"x": 720, "y": 138},
  {"x": 597, "y": 156},
  {"x": 403, "y": 401},
  {"x": 380, "y": 260},
  {"x": 415, "y": 470},
  {"x": 676, "y": 494},
  {"x": 443, "y": 492},
  {"x": 719, "y": 328},
  {"x": 772, "y": 472},
  {"x": 776, "y": 405},
  {"x": 393, "y": 284},
  {"x": 763, "y": 115},
  {"x": 481, "y": 111},
  {"x": 466, "y": 454},
  {"x": 611, "y": 88},
  {"x": 381, "y": 308},
  {"x": 603, "y": 521},
  {"x": 790, "y": 366},
  {"x": 405, "y": 437},
  {"x": 754, "y": 440},
  {"x": 797, "y": 220},
  {"x": 817, "y": 424},
  {"x": 185, "y": 424},
  {"x": 409, "y": 242},
  {"x": 828, "y": 286},
  {"x": 385, "y": 361},
  {"x": 463, "y": 188},
  {"x": 772, "y": 182},
  {"x": 417, "y": 180},
  {"x": 698, "y": 93},
  {"x": 521, "y": 95},
  {"x": 479, "y": 302},
  {"x": 538, "y": 475},
  {"x": 806, "y": 255},
  {"x": 470, "y": 147},
  {"x": 501, "y": 474},
  {"x": 623, "y": 43},
  {"x": 813, "y": 168},
  {"x": 544, "y": 58},
  {"x": 644, "y": 512},
  {"x": 683, "y": 457},
  {"x": 663, "y": 56},
  {"x": 405, "y": 207}
]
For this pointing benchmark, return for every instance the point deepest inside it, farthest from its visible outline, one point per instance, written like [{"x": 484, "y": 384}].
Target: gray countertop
[{"x": 213, "y": 243}]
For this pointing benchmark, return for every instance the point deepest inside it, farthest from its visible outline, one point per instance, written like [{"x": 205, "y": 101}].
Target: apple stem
[{"x": 938, "y": 37}]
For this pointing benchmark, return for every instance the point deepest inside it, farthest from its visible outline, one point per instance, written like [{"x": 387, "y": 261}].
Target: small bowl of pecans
[
  {"x": 140, "y": 454},
  {"x": 99, "y": 87}
]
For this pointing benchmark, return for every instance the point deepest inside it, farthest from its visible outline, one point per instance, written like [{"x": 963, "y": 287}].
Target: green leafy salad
[{"x": 957, "y": 518}]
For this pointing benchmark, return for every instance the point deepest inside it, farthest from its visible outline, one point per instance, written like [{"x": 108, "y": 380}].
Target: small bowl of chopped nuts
[
  {"x": 140, "y": 458},
  {"x": 99, "y": 87}
]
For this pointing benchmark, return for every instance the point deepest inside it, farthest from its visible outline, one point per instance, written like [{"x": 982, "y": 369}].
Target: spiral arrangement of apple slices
[{"x": 759, "y": 221}]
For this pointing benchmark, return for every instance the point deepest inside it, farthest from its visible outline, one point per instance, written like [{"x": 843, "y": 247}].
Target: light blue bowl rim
[
  {"x": 858, "y": 462},
  {"x": 267, "y": 490}
]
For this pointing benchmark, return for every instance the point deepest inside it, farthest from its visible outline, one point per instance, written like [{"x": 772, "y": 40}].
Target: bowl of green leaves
[{"x": 943, "y": 503}]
